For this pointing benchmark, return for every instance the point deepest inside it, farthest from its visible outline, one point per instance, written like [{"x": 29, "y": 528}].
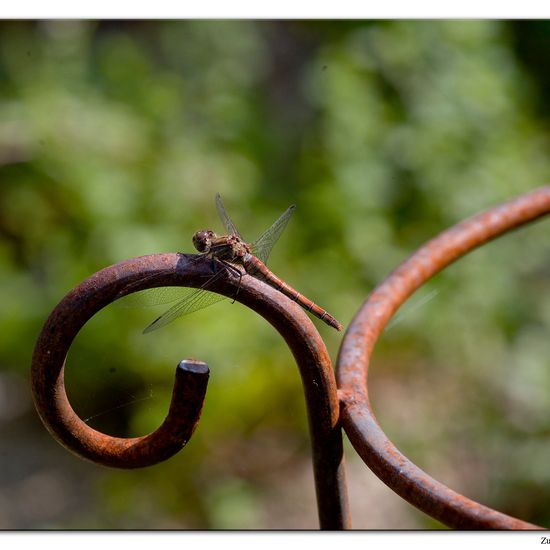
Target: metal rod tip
[{"x": 192, "y": 365}]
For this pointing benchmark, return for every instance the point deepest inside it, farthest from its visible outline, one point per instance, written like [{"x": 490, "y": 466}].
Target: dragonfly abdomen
[{"x": 257, "y": 268}]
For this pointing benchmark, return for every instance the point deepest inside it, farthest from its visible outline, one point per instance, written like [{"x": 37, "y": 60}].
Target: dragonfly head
[{"x": 203, "y": 239}]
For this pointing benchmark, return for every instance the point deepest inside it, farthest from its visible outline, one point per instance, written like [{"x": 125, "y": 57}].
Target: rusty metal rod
[
  {"x": 176, "y": 270},
  {"x": 358, "y": 419}
]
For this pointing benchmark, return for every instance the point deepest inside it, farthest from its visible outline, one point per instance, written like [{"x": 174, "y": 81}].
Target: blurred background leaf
[{"x": 115, "y": 137}]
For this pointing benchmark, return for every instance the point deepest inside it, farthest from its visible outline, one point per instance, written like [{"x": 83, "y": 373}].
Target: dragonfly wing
[
  {"x": 197, "y": 298},
  {"x": 154, "y": 297},
  {"x": 195, "y": 301},
  {"x": 264, "y": 244},
  {"x": 224, "y": 216}
]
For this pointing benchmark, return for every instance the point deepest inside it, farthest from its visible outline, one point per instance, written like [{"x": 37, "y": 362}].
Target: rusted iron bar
[
  {"x": 51, "y": 350},
  {"x": 133, "y": 452},
  {"x": 358, "y": 419},
  {"x": 191, "y": 378}
]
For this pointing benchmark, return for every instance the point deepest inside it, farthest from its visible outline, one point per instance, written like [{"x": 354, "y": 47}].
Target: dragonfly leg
[
  {"x": 235, "y": 271},
  {"x": 239, "y": 287},
  {"x": 215, "y": 265}
]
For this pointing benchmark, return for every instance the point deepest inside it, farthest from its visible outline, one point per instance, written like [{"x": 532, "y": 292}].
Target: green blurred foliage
[{"x": 115, "y": 137}]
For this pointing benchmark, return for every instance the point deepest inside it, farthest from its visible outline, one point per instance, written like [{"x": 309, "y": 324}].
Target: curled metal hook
[
  {"x": 50, "y": 353},
  {"x": 358, "y": 419},
  {"x": 289, "y": 320}
]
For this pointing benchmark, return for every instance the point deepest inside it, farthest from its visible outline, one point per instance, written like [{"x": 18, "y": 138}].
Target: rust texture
[
  {"x": 309, "y": 350},
  {"x": 358, "y": 419}
]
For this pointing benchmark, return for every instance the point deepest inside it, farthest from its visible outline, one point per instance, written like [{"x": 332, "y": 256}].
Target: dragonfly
[{"x": 229, "y": 252}]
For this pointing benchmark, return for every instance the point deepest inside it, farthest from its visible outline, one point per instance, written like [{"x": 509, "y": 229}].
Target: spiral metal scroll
[
  {"x": 136, "y": 274},
  {"x": 358, "y": 419}
]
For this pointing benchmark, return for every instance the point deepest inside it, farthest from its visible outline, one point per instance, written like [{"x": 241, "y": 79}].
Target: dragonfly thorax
[{"x": 202, "y": 240}]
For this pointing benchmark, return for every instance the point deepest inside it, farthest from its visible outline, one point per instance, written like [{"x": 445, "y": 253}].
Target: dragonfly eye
[{"x": 202, "y": 240}]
